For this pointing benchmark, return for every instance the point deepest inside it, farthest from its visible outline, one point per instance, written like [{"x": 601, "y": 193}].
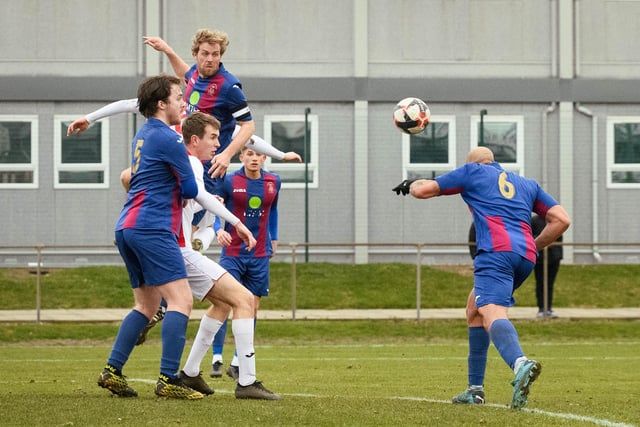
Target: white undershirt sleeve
[
  {"x": 261, "y": 146},
  {"x": 122, "y": 106},
  {"x": 207, "y": 200}
]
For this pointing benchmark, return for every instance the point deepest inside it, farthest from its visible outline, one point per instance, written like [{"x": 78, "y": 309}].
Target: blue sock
[
  {"x": 174, "y": 328},
  {"x": 477, "y": 361},
  {"x": 130, "y": 329},
  {"x": 505, "y": 338},
  {"x": 218, "y": 340}
]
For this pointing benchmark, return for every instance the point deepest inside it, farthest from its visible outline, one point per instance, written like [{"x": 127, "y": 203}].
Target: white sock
[
  {"x": 216, "y": 358},
  {"x": 519, "y": 361},
  {"x": 243, "y": 335},
  {"x": 201, "y": 344},
  {"x": 234, "y": 361}
]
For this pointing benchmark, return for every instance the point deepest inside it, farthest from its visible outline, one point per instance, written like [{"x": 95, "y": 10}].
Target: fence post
[
  {"x": 38, "y": 274},
  {"x": 545, "y": 282},
  {"x": 293, "y": 281},
  {"x": 418, "y": 275}
]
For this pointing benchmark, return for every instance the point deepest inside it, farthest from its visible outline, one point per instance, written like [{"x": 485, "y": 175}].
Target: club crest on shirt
[
  {"x": 271, "y": 188},
  {"x": 211, "y": 90}
]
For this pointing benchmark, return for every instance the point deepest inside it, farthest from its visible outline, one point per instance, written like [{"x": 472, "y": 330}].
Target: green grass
[
  {"x": 353, "y": 373},
  {"x": 332, "y": 286},
  {"x": 331, "y": 373}
]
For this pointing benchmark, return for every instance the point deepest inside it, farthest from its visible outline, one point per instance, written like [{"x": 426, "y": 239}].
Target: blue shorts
[
  {"x": 252, "y": 272},
  {"x": 497, "y": 275},
  {"x": 152, "y": 257}
]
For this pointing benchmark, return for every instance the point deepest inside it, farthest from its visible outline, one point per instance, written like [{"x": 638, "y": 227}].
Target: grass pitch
[{"x": 370, "y": 373}]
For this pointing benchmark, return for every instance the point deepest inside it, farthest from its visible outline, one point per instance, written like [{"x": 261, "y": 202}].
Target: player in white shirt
[{"x": 208, "y": 280}]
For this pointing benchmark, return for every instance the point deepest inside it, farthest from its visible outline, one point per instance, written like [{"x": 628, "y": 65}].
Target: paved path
[{"x": 117, "y": 314}]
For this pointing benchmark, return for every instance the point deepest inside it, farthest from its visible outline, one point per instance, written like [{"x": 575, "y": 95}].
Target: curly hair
[{"x": 209, "y": 36}]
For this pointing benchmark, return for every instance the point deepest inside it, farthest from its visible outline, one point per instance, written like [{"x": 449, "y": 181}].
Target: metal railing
[{"x": 416, "y": 250}]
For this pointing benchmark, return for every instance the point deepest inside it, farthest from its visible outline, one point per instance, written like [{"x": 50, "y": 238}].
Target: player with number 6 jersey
[{"x": 501, "y": 203}]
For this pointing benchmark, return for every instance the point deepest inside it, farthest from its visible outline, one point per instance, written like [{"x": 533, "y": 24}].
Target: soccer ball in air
[{"x": 411, "y": 115}]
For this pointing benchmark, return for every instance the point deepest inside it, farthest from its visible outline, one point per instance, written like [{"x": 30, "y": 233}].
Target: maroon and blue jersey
[
  {"x": 219, "y": 95},
  {"x": 255, "y": 202},
  {"x": 160, "y": 170},
  {"x": 501, "y": 203}
]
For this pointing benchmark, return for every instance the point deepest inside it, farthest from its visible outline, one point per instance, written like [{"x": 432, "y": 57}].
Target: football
[{"x": 411, "y": 115}]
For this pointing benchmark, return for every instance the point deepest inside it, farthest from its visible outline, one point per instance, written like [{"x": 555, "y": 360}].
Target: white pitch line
[{"x": 566, "y": 416}]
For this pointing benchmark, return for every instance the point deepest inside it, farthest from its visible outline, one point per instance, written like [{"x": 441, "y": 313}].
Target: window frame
[
  {"x": 58, "y": 166},
  {"x": 610, "y": 147},
  {"x": 518, "y": 165},
  {"x": 313, "y": 165},
  {"x": 422, "y": 169},
  {"x": 32, "y": 166}
]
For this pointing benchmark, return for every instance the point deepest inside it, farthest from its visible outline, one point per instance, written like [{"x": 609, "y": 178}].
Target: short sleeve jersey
[
  {"x": 501, "y": 203},
  {"x": 255, "y": 202},
  {"x": 159, "y": 163},
  {"x": 219, "y": 95}
]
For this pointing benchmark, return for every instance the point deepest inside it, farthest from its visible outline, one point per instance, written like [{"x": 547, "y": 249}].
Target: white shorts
[{"x": 201, "y": 272}]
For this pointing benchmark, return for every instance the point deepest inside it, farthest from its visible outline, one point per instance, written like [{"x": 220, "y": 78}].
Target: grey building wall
[{"x": 508, "y": 56}]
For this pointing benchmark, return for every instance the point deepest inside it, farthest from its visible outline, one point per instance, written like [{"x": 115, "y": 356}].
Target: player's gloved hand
[{"x": 403, "y": 187}]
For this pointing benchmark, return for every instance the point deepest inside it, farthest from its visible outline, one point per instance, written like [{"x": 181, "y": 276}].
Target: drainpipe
[
  {"x": 594, "y": 179},
  {"x": 545, "y": 143}
]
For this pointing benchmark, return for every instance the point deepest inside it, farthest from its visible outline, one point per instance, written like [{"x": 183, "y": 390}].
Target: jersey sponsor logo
[
  {"x": 255, "y": 202},
  {"x": 194, "y": 98},
  {"x": 191, "y": 108}
]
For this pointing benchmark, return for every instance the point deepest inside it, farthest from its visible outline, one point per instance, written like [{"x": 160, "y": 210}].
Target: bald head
[{"x": 480, "y": 155}]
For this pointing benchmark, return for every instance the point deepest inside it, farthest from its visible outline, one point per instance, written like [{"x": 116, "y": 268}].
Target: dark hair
[
  {"x": 195, "y": 124},
  {"x": 154, "y": 89}
]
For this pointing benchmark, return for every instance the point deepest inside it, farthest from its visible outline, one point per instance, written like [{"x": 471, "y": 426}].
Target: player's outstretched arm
[
  {"x": 418, "y": 188},
  {"x": 424, "y": 188},
  {"x": 179, "y": 66},
  {"x": 261, "y": 146},
  {"x": 78, "y": 126},
  {"x": 123, "y": 106}
]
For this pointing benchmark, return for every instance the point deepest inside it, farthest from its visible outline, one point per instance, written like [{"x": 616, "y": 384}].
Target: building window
[
  {"x": 81, "y": 161},
  {"x": 287, "y": 133},
  {"x": 504, "y": 135},
  {"x": 623, "y": 152},
  {"x": 432, "y": 152},
  {"x": 18, "y": 151}
]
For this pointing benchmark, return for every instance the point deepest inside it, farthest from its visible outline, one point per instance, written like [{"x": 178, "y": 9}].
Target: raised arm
[{"x": 179, "y": 66}]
